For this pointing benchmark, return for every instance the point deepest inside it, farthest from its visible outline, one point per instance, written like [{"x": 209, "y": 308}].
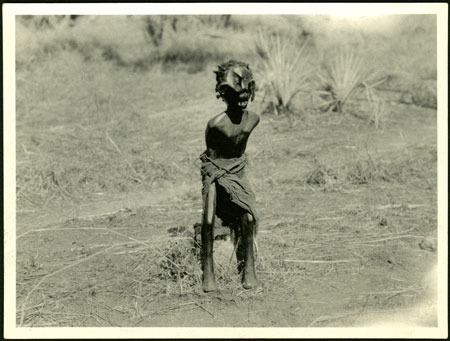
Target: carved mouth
[{"x": 243, "y": 99}]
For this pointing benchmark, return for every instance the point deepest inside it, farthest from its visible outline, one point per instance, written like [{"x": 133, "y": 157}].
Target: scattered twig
[
  {"x": 392, "y": 296},
  {"x": 291, "y": 213},
  {"x": 384, "y": 239},
  {"x": 61, "y": 229},
  {"x": 297, "y": 301},
  {"x": 204, "y": 308},
  {"x": 172, "y": 308},
  {"x": 325, "y": 318},
  {"x": 124, "y": 157},
  {"x": 320, "y": 261},
  {"x": 409, "y": 206},
  {"x": 395, "y": 291},
  {"x": 330, "y": 218},
  {"x": 92, "y": 216},
  {"x": 24, "y": 304},
  {"x": 27, "y": 151}
]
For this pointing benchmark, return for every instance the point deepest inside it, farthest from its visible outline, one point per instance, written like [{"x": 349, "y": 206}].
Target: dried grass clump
[
  {"x": 364, "y": 170},
  {"x": 377, "y": 107},
  {"x": 285, "y": 69},
  {"x": 417, "y": 163},
  {"x": 321, "y": 174},
  {"x": 179, "y": 264}
]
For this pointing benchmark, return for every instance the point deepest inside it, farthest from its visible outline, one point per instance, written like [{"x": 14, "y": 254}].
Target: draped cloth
[{"x": 234, "y": 194}]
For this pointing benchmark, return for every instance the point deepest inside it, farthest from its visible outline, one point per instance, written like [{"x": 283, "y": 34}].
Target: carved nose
[{"x": 244, "y": 84}]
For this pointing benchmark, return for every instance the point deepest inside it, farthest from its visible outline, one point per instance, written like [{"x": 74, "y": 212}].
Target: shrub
[
  {"x": 284, "y": 70},
  {"x": 424, "y": 93},
  {"x": 341, "y": 75},
  {"x": 120, "y": 39}
]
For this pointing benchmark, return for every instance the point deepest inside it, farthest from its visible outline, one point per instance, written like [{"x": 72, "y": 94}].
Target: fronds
[
  {"x": 343, "y": 72},
  {"x": 285, "y": 69}
]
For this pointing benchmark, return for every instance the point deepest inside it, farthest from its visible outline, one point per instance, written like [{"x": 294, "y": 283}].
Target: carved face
[{"x": 236, "y": 87}]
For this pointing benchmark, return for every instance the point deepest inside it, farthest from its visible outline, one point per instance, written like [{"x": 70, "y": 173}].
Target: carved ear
[{"x": 252, "y": 87}]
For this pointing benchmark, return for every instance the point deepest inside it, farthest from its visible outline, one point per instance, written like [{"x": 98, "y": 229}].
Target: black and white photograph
[{"x": 225, "y": 170}]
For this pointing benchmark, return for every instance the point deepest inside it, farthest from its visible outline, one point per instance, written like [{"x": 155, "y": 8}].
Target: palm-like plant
[
  {"x": 284, "y": 69},
  {"x": 341, "y": 75}
]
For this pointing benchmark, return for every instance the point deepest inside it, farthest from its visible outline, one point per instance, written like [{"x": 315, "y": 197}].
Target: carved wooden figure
[{"x": 226, "y": 190}]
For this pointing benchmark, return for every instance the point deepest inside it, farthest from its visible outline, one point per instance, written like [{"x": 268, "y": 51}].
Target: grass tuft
[
  {"x": 363, "y": 169},
  {"x": 321, "y": 174},
  {"x": 180, "y": 265},
  {"x": 376, "y": 106}
]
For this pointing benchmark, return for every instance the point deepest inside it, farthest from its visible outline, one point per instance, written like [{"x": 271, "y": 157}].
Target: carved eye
[
  {"x": 231, "y": 79},
  {"x": 251, "y": 85}
]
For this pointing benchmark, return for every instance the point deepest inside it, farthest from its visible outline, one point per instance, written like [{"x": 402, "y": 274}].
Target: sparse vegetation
[
  {"x": 285, "y": 71},
  {"x": 376, "y": 106},
  {"x": 343, "y": 72},
  {"x": 363, "y": 168},
  {"x": 344, "y": 208}
]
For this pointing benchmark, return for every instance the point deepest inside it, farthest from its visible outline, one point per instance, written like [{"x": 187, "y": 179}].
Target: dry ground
[{"x": 344, "y": 208}]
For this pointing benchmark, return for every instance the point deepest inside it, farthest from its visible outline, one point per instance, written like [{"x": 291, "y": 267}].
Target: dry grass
[
  {"x": 127, "y": 278},
  {"x": 362, "y": 168},
  {"x": 329, "y": 217},
  {"x": 80, "y": 133},
  {"x": 134, "y": 42},
  {"x": 134, "y": 268},
  {"x": 376, "y": 106}
]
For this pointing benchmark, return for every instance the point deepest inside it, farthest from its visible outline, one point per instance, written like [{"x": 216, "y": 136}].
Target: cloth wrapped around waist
[{"x": 234, "y": 194}]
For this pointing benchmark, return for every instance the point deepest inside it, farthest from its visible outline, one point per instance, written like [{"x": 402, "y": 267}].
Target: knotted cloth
[{"x": 233, "y": 187}]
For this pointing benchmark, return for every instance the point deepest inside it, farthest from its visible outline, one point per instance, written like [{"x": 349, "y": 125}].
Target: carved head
[{"x": 235, "y": 84}]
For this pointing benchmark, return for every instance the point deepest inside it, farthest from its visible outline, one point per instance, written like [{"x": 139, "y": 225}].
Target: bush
[
  {"x": 137, "y": 42},
  {"x": 343, "y": 72},
  {"x": 424, "y": 93},
  {"x": 117, "y": 38},
  {"x": 284, "y": 71}
]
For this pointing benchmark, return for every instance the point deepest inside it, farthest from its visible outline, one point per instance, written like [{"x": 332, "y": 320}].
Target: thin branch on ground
[
  {"x": 320, "y": 261},
  {"x": 24, "y": 304}
]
